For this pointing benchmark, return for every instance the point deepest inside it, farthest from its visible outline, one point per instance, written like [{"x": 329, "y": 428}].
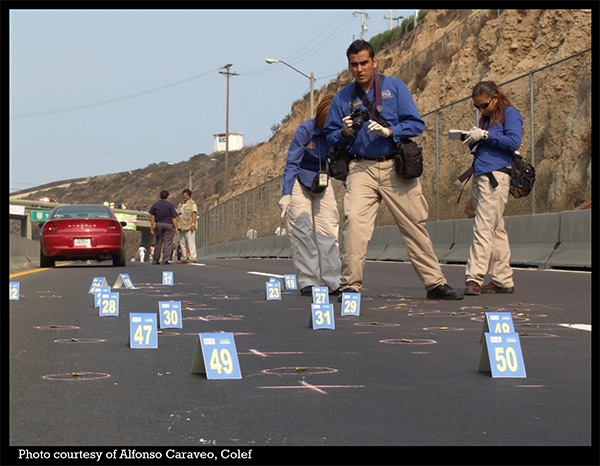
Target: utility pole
[
  {"x": 392, "y": 19},
  {"x": 363, "y": 25},
  {"x": 228, "y": 74}
]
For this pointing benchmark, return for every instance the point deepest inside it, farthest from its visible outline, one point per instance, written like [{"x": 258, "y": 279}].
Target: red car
[{"x": 82, "y": 232}]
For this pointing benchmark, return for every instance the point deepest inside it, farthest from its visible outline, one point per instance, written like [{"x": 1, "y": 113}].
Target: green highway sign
[{"x": 40, "y": 215}]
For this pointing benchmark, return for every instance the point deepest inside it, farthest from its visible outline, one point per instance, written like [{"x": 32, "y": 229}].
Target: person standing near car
[
  {"x": 163, "y": 225},
  {"x": 188, "y": 211},
  {"x": 372, "y": 177},
  {"x": 309, "y": 207},
  {"x": 493, "y": 144}
]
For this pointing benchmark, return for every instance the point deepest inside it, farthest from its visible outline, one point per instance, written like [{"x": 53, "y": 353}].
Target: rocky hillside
[{"x": 440, "y": 60}]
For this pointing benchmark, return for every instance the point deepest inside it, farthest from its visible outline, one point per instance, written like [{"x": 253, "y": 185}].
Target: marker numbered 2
[{"x": 14, "y": 289}]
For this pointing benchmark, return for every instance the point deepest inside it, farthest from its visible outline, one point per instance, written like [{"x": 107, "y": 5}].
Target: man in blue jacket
[{"x": 372, "y": 176}]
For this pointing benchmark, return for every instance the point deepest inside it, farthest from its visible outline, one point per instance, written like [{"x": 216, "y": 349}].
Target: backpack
[{"x": 522, "y": 177}]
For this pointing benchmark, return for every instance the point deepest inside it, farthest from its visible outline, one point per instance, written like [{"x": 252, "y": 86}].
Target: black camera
[{"x": 359, "y": 117}]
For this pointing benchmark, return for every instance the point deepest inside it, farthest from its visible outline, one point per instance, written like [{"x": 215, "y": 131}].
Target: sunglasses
[{"x": 483, "y": 106}]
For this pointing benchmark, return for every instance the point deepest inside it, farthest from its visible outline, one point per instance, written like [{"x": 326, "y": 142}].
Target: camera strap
[{"x": 374, "y": 111}]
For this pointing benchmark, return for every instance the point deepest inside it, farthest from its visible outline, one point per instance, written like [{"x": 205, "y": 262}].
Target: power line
[
  {"x": 108, "y": 101},
  {"x": 299, "y": 56}
]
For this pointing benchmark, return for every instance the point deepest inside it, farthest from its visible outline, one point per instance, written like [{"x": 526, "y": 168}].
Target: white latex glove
[
  {"x": 347, "y": 130},
  {"x": 476, "y": 135},
  {"x": 376, "y": 128},
  {"x": 284, "y": 204}
]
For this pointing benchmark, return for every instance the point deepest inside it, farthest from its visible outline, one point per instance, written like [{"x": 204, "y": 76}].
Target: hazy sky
[{"x": 103, "y": 91}]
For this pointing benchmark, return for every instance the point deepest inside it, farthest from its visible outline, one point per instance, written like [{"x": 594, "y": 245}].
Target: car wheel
[
  {"x": 119, "y": 261},
  {"x": 45, "y": 261}
]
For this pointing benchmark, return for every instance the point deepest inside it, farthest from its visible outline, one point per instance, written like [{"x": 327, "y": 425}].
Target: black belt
[
  {"x": 464, "y": 178},
  {"x": 382, "y": 158}
]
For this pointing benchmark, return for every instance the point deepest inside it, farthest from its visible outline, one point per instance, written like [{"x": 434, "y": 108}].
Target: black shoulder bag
[
  {"x": 522, "y": 177},
  {"x": 408, "y": 159},
  {"x": 338, "y": 161}
]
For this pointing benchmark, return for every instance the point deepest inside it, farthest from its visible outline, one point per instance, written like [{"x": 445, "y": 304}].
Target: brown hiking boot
[
  {"x": 493, "y": 288},
  {"x": 472, "y": 288}
]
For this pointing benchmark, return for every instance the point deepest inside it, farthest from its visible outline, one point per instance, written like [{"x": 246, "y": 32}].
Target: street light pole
[{"x": 312, "y": 82}]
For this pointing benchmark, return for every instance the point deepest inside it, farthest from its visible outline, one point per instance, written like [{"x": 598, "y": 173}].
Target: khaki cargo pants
[
  {"x": 312, "y": 224},
  {"x": 368, "y": 183},
  {"x": 490, "y": 250}
]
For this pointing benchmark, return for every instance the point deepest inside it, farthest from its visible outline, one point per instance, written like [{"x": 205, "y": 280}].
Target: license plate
[{"x": 83, "y": 242}]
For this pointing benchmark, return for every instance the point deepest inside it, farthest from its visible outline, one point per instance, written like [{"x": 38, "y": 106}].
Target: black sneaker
[
  {"x": 444, "y": 292},
  {"x": 306, "y": 291}
]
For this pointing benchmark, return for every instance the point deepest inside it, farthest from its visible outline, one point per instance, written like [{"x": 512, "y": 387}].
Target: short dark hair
[
  {"x": 358, "y": 46},
  {"x": 164, "y": 194},
  {"x": 187, "y": 191}
]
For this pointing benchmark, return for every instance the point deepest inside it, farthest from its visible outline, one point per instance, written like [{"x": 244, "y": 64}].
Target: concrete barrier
[
  {"x": 24, "y": 253},
  {"x": 461, "y": 241},
  {"x": 379, "y": 242},
  {"x": 574, "y": 249},
  {"x": 283, "y": 248},
  {"x": 279, "y": 244},
  {"x": 559, "y": 240},
  {"x": 442, "y": 237},
  {"x": 532, "y": 238},
  {"x": 230, "y": 250},
  {"x": 248, "y": 248},
  {"x": 396, "y": 248}
]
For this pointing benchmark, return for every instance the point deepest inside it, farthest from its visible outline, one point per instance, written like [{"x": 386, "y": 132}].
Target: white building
[{"x": 236, "y": 141}]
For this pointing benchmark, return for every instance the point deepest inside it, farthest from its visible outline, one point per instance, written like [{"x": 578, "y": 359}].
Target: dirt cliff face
[{"x": 440, "y": 61}]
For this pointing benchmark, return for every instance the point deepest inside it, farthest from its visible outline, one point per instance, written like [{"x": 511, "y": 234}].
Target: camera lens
[{"x": 358, "y": 119}]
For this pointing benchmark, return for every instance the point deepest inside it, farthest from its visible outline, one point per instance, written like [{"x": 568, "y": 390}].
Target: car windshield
[{"x": 81, "y": 212}]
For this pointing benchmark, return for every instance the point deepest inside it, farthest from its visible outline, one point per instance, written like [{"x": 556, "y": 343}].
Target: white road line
[
  {"x": 578, "y": 326},
  {"x": 266, "y": 274}
]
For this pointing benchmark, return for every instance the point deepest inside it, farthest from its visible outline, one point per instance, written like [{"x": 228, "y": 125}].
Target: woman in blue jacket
[
  {"x": 493, "y": 144},
  {"x": 309, "y": 207}
]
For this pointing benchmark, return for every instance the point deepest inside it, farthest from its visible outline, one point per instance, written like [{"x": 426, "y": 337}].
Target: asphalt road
[{"x": 404, "y": 373}]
